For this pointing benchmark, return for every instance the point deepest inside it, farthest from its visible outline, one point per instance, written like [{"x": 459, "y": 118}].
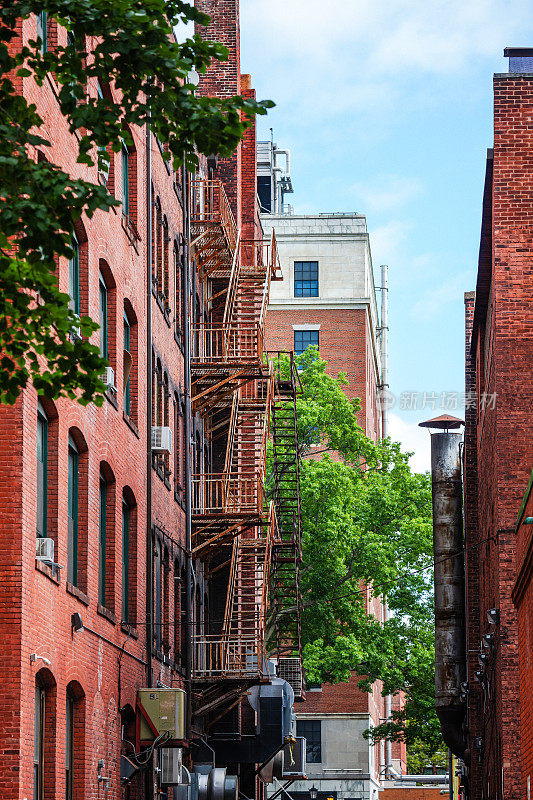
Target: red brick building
[
  {"x": 498, "y": 447},
  {"x": 122, "y": 566},
  {"x": 327, "y": 298}
]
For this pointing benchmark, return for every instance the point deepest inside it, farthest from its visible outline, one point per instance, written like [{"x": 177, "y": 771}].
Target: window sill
[
  {"x": 178, "y": 338},
  {"x": 111, "y": 397},
  {"x": 178, "y": 497},
  {"x": 52, "y": 573},
  {"x": 81, "y": 596},
  {"x": 131, "y": 425},
  {"x": 126, "y": 627},
  {"x": 161, "y": 474},
  {"x": 105, "y": 612}
]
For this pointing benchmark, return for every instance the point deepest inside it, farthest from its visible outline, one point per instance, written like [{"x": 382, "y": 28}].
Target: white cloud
[
  {"x": 413, "y": 439},
  {"x": 434, "y": 298},
  {"x": 387, "y": 192}
]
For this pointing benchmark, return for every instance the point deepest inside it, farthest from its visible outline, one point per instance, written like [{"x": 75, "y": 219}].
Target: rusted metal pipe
[{"x": 448, "y": 553}]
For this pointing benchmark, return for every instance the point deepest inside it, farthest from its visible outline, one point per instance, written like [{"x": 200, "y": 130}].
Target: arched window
[
  {"x": 130, "y": 362},
  {"x": 74, "y": 742},
  {"x": 44, "y": 736},
  {"x": 129, "y": 558},
  {"x": 73, "y": 511},
  {"x": 42, "y": 472},
  {"x": 106, "y": 548},
  {"x": 107, "y": 310},
  {"x": 74, "y": 277},
  {"x": 77, "y": 510}
]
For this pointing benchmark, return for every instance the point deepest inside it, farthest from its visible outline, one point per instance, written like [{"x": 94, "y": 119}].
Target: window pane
[
  {"x": 42, "y": 472},
  {"x": 306, "y": 278},
  {"x": 42, "y": 30},
  {"x": 69, "y": 748},
  {"x": 103, "y": 543},
  {"x": 127, "y": 391},
  {"x": 73, "y": 480},
  {"x": 125, "y": 561},
  {"x": 103, "y": 319},
  {"x": 302, "y": 340},
  {"x": 311, "y": 730},
  {"x": 125, "y": 181},
  {"x": 74, "y": 279}
]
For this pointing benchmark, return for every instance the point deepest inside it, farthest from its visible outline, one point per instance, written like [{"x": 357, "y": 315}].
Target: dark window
[
  {"x": 264, "y": 191},
  {"x": 302, "y": 340},
  {"x": 73, "y": 484},
  {"x": 69, "y": 748},
  {"x": 42, "y": 30},
  {"x": 127, "y": 345},
  {"x": 125, "y": 561},
  {"x": 42, "y": 471},
  {"x": 311, "y": 730},
  {"x": 103, "y": 542},
  {"x": 125, "y": 180},
  {"x": 158, "y": 588},
  {"x": 306, "y": 278},
  {"x": 103, "y": 318},
  {"x": 74, "y": 278},
  {"x": 38, "y": 743}
]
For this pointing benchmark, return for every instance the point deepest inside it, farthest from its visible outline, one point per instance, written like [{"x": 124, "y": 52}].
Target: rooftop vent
[{"x": 520, "y": 58}]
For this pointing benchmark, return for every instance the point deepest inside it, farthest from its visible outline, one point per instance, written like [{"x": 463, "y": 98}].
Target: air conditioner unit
[
  {"x": 44, "y": 550},
  {"x": 160, "y": 710},
  {"x": 290, "y": 670},
  {"x": 108, "y": 377},
  {"x": 161, "y": 440}
]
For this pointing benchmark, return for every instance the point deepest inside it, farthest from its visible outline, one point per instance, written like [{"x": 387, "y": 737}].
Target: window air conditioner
[
  {"x": 108, "y": 377},
  {"x": 44, "y": 550},
  {"x": 161, "y": 440}
]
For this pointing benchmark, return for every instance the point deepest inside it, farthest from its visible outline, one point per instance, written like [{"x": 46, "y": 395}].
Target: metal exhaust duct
[{"x": 448, "y": 555}]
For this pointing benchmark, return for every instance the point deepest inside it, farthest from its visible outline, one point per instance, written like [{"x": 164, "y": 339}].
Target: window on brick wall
[
  {"x": 303, "y": 339},
  {"x": 42, "y": 472},
  {"x": 128, "y": 184},
  {"x": 180, "y": 618},
  {"x": 311, "y": 730},
  {"x": 44, "y": 735},
  {"x": 130, "y": 361},
  {"x": 165, "y": 286},
  {"x": 129, "y": 558},
  {"x": 77, "y": 509},
  {"x": 74, "y": 278},
  {"x": 125, "y": 166},
  {"x": 42, "y": 30},
  {"x": 158, "y": 594},
  {"x": 106, "y": 550},
  {"x": 74, "y": 741},
  {"x": 107, "y": 314},
  {"x": 306, "y": 278}
]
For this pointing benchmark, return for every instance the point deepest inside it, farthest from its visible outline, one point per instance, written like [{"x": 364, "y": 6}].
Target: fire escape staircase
[{"x": 285, "y": 639}]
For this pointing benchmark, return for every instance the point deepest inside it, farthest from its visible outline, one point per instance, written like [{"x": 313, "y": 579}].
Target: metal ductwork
[{"x": 450, "y": 620}]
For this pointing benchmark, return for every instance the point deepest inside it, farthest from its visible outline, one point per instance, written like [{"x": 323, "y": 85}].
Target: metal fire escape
[
  {"x": 285, "y": 623},
  {"x": 235, "y": 530}
]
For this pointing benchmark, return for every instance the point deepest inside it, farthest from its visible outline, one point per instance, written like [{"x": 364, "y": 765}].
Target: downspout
[
  {"x": 384, "y": 433},
  {"x": 149, "y": 379},
  {"x": 188, "y": 428}
]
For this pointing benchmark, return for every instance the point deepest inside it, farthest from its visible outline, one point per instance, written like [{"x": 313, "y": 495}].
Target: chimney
[{"x": 520, "y": 59}]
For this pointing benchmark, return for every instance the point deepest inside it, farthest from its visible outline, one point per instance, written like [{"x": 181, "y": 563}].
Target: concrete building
[
  {"x": 328, "y": 298},
  {"x": 498, "y": 455}
]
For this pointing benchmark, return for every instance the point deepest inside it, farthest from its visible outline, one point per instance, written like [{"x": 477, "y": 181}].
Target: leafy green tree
[
  {"x": 128, "y": 45},
  {"x": 366, "y": 521}
]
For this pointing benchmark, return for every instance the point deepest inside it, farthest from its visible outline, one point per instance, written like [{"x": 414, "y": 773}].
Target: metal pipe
[
  {"x": 384, "y": 344},
  {"x": 149, "y": 378},
  {"x": 188, "y": 427},
  {"x": 287, "y": 154},
  {"x": 424, "y": 779},
  {"x": 448, "y": 553}
]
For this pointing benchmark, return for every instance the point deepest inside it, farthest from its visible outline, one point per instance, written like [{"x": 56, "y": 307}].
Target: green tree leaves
[
  {"x": 367, "y": 533},
  {"x": 127, "y": 48}
]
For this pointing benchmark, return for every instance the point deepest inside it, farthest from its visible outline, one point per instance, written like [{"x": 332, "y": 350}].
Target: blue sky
[{"x": 386, "y": 106}]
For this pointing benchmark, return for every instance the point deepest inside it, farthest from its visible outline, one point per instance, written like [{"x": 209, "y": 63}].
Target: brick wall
[
  {"x": 499, "y": 446},
  {"x": 344, "y": 342},
  {"x": 36, "y": 606},
  {"x": 406, "y": 793}
]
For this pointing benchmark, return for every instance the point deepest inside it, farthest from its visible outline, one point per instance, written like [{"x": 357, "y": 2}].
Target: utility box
[
  {"x": 294, "y": 763},
  {"x": 171, "y": 760},
  {"x": 160, "y": 711}
]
